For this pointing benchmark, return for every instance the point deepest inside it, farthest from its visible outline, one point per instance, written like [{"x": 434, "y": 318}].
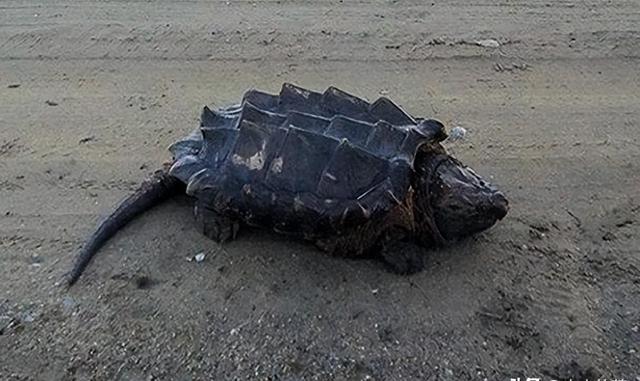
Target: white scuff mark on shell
[
  {"x": 254, "y": 163},
  {"x": 345, "y": 212},
  {"x": 304, "y": 93},
  {"x": 330, "y": 176},
  {"x": 197, "y": 180},
  {"x": 365, "y": 211},
  {"x": 393, "y": 197},
  {"x": 297, "y": 203},
  {"x": 276, "y": 165}
]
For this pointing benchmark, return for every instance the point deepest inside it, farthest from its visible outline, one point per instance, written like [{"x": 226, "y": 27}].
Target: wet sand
[{"x": 93, "y": 93}]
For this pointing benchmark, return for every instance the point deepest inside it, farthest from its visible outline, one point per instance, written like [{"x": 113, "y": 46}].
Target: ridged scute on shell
[{"x": 303, "y": 161}]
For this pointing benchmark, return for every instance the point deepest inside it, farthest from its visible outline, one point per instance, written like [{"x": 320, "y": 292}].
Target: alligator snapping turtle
[{"x": 351, "y": 176}]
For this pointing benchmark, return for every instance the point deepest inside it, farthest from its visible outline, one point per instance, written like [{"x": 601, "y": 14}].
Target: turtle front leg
[
  {"x": 403, "y": 257},
  {"x": 214, "y": 225},
  {"x": 401, "y": 254},
  {"x": 393, "y": 246}
]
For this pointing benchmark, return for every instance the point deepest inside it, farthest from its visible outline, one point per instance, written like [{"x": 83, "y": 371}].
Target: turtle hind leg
[{"x": 214, "y": 225}]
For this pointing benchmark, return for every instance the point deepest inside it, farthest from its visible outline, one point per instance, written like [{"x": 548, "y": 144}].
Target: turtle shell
[{"x": 303, "y": 162}]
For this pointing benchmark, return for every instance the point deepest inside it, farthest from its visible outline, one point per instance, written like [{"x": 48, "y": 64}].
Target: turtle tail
[{"x": 158, "y": 188}]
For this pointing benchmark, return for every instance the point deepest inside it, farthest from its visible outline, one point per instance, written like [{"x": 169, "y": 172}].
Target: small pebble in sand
[
  {"x": 199, "y": 257},
  {"x": 68, "y": 303},
  {"x": 488, "y": 43},
  {"x": 457, "y": 133}
]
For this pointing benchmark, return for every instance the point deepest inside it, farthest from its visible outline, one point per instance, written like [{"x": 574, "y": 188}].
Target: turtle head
[{"x": 451, "y": 200}]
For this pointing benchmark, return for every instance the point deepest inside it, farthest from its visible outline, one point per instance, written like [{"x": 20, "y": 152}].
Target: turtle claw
[{"x": 214, "y": 225}]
